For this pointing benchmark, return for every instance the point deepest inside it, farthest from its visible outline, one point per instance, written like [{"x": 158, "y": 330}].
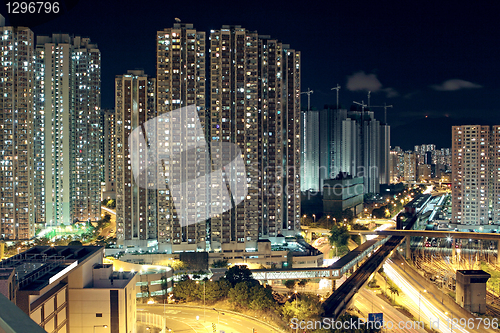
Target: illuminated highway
[
  {"x": 431, "y": 304},
  {"x": 368, "y": 302}
]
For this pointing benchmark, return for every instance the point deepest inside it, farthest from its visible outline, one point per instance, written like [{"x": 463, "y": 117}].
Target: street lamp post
[
  {"x": 419, "y": 296},
  {"x": 103, "y": 326},
  {"x": 314, "y": 217},
  {"x": 204, "y": 308},
  {"x": 218, "y": 315}
]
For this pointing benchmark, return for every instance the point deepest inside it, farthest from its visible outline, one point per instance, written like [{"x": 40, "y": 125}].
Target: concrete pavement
[{"x": 192, "y": 319}]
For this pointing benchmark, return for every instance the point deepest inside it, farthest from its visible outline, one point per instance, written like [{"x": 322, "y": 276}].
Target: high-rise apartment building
[
  {"x": 410, "y": 162},
  {"x": 67, "y": 104},
  {"x": 108, "y": 155},
  {"x": 356, "y": 143},
  {"x": 17, "y": 201},
  {"x": 311, "y": 151},
  {"x": 254, "y": 95},
  {"x": 279, "y": 133},
  {"x": 253, "y": 87},
  {"x": 181, "y": 78},
  {"x": 136, "y": 210},
  {"x": 475, "y": 174}
]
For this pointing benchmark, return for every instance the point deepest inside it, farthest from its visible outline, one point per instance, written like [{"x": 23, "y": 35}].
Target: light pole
[
  {"x": 204, "y": 309},
  {"x": 336, "y": 252},
  {"x": 328, "y": 221},
  {"x": 314, "y": 217},
  {"x": 103, "y": 326},
  {"x": 451, "y": 323},
  {"x": 218, "y": 315},
  {"x": 419, "y": 296}
]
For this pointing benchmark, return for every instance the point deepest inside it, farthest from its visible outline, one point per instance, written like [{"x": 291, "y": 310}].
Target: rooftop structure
[{"x": 61, "y": 287}]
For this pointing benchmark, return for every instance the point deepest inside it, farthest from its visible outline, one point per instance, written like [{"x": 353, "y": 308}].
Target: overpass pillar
[
  {"x": 453, "y": 250},
  {"x": 408, "y": 250},
  {"x": 498, "y": 252}
]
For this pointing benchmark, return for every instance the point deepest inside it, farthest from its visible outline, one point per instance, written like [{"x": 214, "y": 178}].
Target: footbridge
[{"x": 334, "y": 271}]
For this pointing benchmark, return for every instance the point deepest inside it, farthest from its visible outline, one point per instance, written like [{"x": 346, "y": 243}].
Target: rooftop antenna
[
  {"x": 385, "y": 106},
  {"x": 308, "y": 92},
  {"x": 369, "y": 92},
  {"x": 337, "y": 88},
  {"x": 363, "y": 105},
  {"x": 178, "y": 20}
]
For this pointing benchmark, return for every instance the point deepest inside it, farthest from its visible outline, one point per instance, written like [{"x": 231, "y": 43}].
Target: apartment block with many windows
[{"x": 17, "y": 165}]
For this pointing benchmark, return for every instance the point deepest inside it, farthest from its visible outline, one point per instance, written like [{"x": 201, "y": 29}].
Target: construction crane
[
  {"x": 385, "y": 106},
  {"x": 363, "y": 105},
  {"x": 308, "y": 93},
  {"x": 337, "y": 88}
]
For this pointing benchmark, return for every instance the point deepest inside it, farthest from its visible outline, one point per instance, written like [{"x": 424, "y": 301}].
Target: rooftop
[
  {"x": 472, "y": 272},
  {"x": 41, "y": 265}
]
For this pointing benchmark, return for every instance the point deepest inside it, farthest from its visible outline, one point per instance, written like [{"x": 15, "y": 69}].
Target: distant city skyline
[{"x": 430, "y": 60}]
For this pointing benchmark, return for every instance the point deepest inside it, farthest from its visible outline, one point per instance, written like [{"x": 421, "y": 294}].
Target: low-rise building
[
  {"x": 69, "y": 289},
  {"x": 343, "y": 193}
]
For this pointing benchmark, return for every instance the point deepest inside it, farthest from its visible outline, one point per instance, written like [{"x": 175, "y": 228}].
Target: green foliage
[
  {"x": 262, "y": 298},
  {"x": 253, "y": 296},
  {"x": 178, "y": 265},
  {"x": 394, "y": 291},
  {"x": 339, "y": 236},
  {"x": 304, "y": 307},
  {"x": 302, "y": 283},
  {"x": 240, "y": 294},
  {"x": 111, "y": 204},
  {"x": 379, "y": 213},
  {"x": 221, "y": 263},
  {"x": 214, "y": 290},
  {"x": 290, "y": 284},
  {"x": 239, "y": 273},
  {"x": 186, "y": 289},
  {"x": 75, "y": 243}
]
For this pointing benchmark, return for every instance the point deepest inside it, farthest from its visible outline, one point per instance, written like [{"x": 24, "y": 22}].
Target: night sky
[{"x": 427, "y": 59}]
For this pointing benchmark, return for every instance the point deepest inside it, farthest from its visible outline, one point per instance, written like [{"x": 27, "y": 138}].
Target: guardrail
[{"x": 152, "y": 319}]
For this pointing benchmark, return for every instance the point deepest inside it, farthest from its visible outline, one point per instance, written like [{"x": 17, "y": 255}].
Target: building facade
[
  {"x": 69, "y": 289},
  {"x": 181, "y": 79},
  {"x": 475, "y": 175},
  {"x": 108, "y": 155},
  {"x": 246, "y": 92},
  {"x": 136, "y": 215},
  {"x": 410, "y": 162},
  {"x": 17, "y": 166},
  {"x": 67, "y": 105}
]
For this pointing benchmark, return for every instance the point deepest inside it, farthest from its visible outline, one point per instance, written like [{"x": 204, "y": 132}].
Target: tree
[
  {"x": 394, "y": 291},
  {"x": 307, "y": 307},
  {"x": 302, "y": 283},
  {"x": 379, "y": 213},
  {"x": 290, "y": 284},
  {"x": 339, "y": 236},
  {"x": 221, "y": 263},
  {"x": 239, "y": 273},
  {"x": 240, "y": 294},
  {"x": 111, "y": 204},
  {"x": 186, "y": 289},
  {"x": 262, "y": 298},
  {"x": 75, "y": 243},
  {"x": 178, "y": 265}
]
